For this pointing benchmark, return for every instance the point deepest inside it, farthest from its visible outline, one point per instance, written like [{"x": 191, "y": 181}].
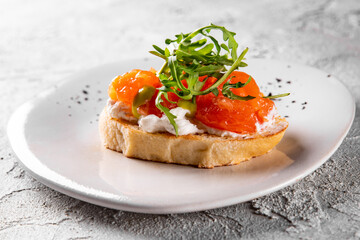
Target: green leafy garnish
[
  {"x": 277, "y": 96},
  {"x": 229, "y": 94},
  {"x": 192, "y": 55},
  {"x": 165, "y": 110}
]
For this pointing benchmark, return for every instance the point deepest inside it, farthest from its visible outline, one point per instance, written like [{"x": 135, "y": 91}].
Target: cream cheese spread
[
  {"x": 119, "y": 110},
  {"x": 271, "y": 119},
  {"x": 152, "y": 123}
]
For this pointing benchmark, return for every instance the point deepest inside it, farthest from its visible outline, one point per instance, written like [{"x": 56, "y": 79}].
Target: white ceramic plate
[{"x": 55, "y": 136}]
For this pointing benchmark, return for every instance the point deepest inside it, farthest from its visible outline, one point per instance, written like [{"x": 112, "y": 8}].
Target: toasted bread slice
[{"x": 202, "y": 150}]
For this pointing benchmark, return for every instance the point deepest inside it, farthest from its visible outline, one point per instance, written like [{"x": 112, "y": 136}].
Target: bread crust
[{"x": 201, "y": 150}]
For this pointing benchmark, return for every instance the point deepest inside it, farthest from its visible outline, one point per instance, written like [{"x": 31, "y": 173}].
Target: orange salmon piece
[{"x": 233, "y": 115}]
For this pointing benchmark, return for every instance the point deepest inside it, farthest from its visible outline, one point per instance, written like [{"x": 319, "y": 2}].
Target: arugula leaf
[
  {"x": 226, "y": 91},
  {"x": 215, "y": 91},
  {"x": 199, "y": 85},
  {"x": 158, "y": 54},
  {"x": 207, "y": 49},
  {"x": 277, "y": 96},
  {"x": 226, "y": 75},
  {"x": 223, "y": 46},
  {"x": 162, "y": 52},
  {"x": 165, "y": 110}
]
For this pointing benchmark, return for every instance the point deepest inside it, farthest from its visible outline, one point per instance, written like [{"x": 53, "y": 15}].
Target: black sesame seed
[
  {"x": 2, "y": 158},
  {"x": 303, "y": 108},
  {"x": 288, "y": 82},
  {"x": 78, "y": 102},
  {"x": 85, "y": 92},
  {"x": 99, "y": 91},
  {"x": 304, "y": 103},
  {"x": 87, "y": 86},
  {"x": 286, "y": 116},
  {"x": 97, "y": 114},
  {"x": 100, "y": 99},
  {"x": 280, "y": 86},
  {"x": 293, "y": 101},
  {"x": 86, "y": 99},
  {"x": 69, "y": 115},
  {"x": 269, "y": 83},
  {"x": 270, "y": 94},
  {"x": 329, "y": 75},
  {"x": 278, "y": 80}
]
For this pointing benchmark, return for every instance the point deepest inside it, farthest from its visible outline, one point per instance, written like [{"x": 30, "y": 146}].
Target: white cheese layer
[
  {"x": 222, "y": 133},
  {"x": 271, "y": 120},
  {"x": 152, "y": 123},
  {"x": 119, "y": 110}
]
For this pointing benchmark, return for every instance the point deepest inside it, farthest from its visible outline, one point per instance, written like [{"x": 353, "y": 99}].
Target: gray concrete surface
[{"x": 42, "y": 42}]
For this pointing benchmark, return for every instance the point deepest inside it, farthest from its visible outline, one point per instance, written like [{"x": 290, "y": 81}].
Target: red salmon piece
[{"x": 233, "y": 115}]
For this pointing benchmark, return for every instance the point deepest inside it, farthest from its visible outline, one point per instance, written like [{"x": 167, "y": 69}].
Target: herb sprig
[{"x": 187, "y": 59}]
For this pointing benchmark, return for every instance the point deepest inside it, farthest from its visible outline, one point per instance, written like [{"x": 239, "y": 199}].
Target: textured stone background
[{"x": 42, "y": 42}]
